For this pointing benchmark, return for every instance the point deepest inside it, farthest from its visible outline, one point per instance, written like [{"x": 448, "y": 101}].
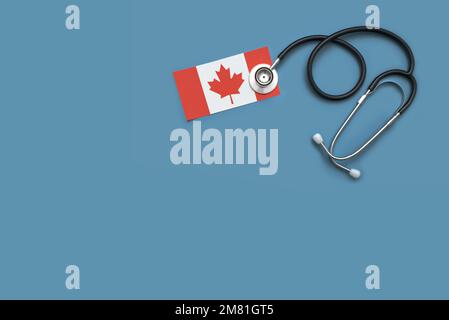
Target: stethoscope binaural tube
[{"x": 335, "y": 38}]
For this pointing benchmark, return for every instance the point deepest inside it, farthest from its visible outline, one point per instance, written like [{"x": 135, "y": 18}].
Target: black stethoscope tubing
[{"x": 335, "y": 38}]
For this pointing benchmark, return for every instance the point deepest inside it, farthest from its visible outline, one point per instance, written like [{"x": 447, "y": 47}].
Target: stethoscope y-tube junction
[{"x": 335, "y": 38}]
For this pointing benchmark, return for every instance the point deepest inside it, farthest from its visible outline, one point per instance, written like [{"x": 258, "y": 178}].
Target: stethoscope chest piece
[{"x": 263, "y": 79}]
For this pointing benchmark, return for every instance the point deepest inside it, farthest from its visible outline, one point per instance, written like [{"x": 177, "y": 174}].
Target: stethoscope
[{"x": 263, "y": 79}]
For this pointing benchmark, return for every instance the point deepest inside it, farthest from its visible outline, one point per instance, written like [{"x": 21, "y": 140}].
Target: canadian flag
[{"x": 220, "y": 85}]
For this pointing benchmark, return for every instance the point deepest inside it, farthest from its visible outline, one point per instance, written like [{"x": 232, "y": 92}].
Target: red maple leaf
[{"x": 226, "y": 85}]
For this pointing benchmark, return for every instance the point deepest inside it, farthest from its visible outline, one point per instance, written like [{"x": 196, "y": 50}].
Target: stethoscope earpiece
[{"x": 318, "y": 139}]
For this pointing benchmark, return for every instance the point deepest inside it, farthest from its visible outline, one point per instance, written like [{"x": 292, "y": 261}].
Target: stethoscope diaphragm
[{"x": 263, "y": 79}]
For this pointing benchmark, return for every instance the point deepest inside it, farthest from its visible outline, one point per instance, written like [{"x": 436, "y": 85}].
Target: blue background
[{"x": 86, "y": 179}]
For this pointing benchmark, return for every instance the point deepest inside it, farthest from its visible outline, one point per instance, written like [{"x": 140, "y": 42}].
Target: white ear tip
[
  {"x": 318, "y": 138},
  {"x": 355, "y": 173}
]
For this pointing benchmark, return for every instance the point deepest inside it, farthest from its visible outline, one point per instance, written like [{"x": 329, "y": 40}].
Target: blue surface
[{"x": 86, "y": 179}]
